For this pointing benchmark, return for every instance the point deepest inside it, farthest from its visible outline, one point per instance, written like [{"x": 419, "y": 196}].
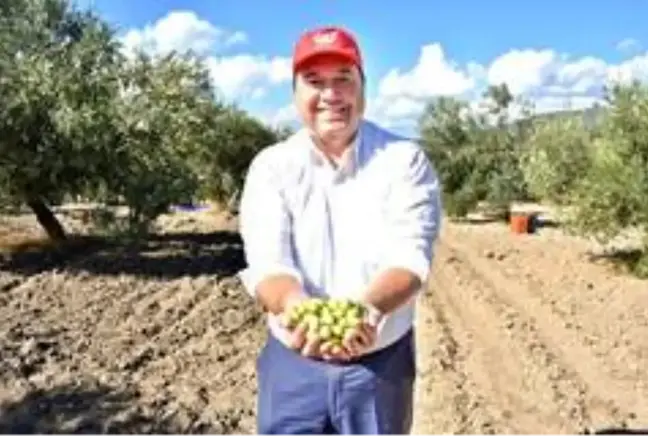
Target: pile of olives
[{"x": 330, "y": 319}]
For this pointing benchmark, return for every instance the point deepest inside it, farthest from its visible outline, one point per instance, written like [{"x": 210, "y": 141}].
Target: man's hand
[
  {"x": 303, "y": 338},
  {"x": 332, "y": 351},
  {"x": 313, "y": 338},
  {"x": 359, "y": 339},
  {"x": 304, "y": 341}
]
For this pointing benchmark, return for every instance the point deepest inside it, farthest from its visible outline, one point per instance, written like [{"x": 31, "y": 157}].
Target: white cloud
[
  {"x": 258, "y": 93},
  {"x": 432, "y": 75},
  {"x": 182, "y": 31},
  {"x": 236, "y": 77},
  {"x": 240, "y": 76},
  {"x": 395, "y": 112},
  {"x": 634, "y": 68},
  {"x": 550, "y": 80},
  {"x": 401, "y": 95},
  {"x": 629, "y": 45},
  {"x": 522, "y": 70},
  {"x": 285, "y": 115}
]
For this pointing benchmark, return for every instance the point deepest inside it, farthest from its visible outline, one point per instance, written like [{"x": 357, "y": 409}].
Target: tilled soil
[
  {"x": 516, "y": 334},
  {"x": 521, "y": 334}
]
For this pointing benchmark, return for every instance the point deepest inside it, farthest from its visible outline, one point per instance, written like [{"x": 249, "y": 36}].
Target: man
[{"x": 345, "y": 209}]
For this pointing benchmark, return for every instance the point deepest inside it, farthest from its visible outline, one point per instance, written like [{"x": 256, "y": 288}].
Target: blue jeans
[{"x": 373, "y": 394}]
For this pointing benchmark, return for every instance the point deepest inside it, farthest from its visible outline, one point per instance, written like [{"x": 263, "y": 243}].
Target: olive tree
[
  {"x": 78, "y": 117},
  {"x": 157, "y": 134},
  {"x": 475, "y": 150},
  {"x": 556, "y": 156},
  {"x": 613, "y": 194},
  {"x": 55, "y": 64},
  {"x": 448, "y": 131},
  {"x": 234, "y": 140}
]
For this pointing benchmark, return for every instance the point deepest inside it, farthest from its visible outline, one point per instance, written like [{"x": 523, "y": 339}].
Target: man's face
[{"x": 329, "y": 96}]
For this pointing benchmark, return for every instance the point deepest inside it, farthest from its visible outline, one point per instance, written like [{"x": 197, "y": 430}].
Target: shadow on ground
[
  {"x": 162, "y": 256},
  {"x": 617, "y": 430},
  {"x": 537, "y": 223},
  {"x": 625, "y": 260},
  {"x": 546, "y": 223},
  {"x": 80, "y": 409}
]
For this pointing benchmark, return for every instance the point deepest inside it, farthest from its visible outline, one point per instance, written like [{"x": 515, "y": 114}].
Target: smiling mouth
[{"x": 335, "y": 114}]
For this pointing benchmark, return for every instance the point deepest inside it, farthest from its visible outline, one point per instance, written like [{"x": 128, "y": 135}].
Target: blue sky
[{"x": 566, "y": 50}]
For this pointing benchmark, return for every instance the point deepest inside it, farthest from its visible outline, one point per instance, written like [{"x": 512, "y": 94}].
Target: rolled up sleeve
[
  {"x": 413, "y": 216},
  {"x": 264, "y": 223}
]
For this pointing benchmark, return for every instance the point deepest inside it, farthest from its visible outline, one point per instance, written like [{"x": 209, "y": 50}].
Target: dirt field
[{"x": 516, "y": 334}]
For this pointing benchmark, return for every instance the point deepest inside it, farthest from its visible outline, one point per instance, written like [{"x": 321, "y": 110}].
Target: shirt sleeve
[
  {"x": 265, "y": 224},
  {"x": 413, "y": 216}
]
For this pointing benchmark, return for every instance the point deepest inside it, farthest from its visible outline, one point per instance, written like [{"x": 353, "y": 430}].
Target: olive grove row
[
  {"x": 81, "y": 119},
  {"x": 592, "y": 165}
]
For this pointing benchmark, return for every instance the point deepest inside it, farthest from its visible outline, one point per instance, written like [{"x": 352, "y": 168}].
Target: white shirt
[{"x": 336, "y": 229}]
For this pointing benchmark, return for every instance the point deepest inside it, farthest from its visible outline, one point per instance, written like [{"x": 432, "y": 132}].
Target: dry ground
[{"x": 516, "y": 334}]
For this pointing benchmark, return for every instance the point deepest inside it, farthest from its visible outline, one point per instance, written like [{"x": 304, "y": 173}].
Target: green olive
[{"x": 325, "y": 332}]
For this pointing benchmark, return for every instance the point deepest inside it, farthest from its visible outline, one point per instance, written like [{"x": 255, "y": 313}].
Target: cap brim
[{"x": 314, "y": 56}]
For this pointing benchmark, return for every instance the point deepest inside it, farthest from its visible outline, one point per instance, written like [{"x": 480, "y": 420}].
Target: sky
[{"x": 556, "y": 54}]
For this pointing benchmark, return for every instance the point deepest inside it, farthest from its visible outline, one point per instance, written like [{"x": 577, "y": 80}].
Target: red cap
[{"x": 329, "y": 40}]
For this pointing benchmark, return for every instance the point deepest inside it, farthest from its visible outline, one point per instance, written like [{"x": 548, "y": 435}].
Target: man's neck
[{"x": 335, "y": 148}]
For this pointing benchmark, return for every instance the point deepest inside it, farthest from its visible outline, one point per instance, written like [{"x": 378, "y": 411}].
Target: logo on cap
[{"x": 325, "y": 38}]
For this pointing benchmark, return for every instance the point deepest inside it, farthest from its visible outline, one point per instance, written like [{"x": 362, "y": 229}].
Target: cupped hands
[{"x": 330, "y": 329}]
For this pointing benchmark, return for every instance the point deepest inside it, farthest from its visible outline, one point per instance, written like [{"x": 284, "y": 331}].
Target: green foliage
[
  {"x": 78, "y": 118},
  {"x": 50, "y": 70},
  {"x": 594, "y": 167},
  {"x": 556, "y": 156},
  {"x": 609, "y": 198},
  {"x": 156, "y": 133},
  {"x": 235, "y": 139},
  {"x": 448, "y": 136},
  {"x": 475, "y": 151},
  {"x": 612, "y": 196}
]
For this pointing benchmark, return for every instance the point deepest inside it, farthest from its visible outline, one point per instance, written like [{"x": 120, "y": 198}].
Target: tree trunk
[{"x": 47, "y": 220}]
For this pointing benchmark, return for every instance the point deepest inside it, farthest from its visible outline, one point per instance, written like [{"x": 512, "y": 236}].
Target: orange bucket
[{"x": 520, "y": 222}]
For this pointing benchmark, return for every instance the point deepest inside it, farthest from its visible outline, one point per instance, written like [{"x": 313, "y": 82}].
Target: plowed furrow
[
  {"x": 584, "y": 387},
  {"x": 447, "y": 398},
  {"x": 153, "y": 329},
  {"x": 499, "y": 366}
]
